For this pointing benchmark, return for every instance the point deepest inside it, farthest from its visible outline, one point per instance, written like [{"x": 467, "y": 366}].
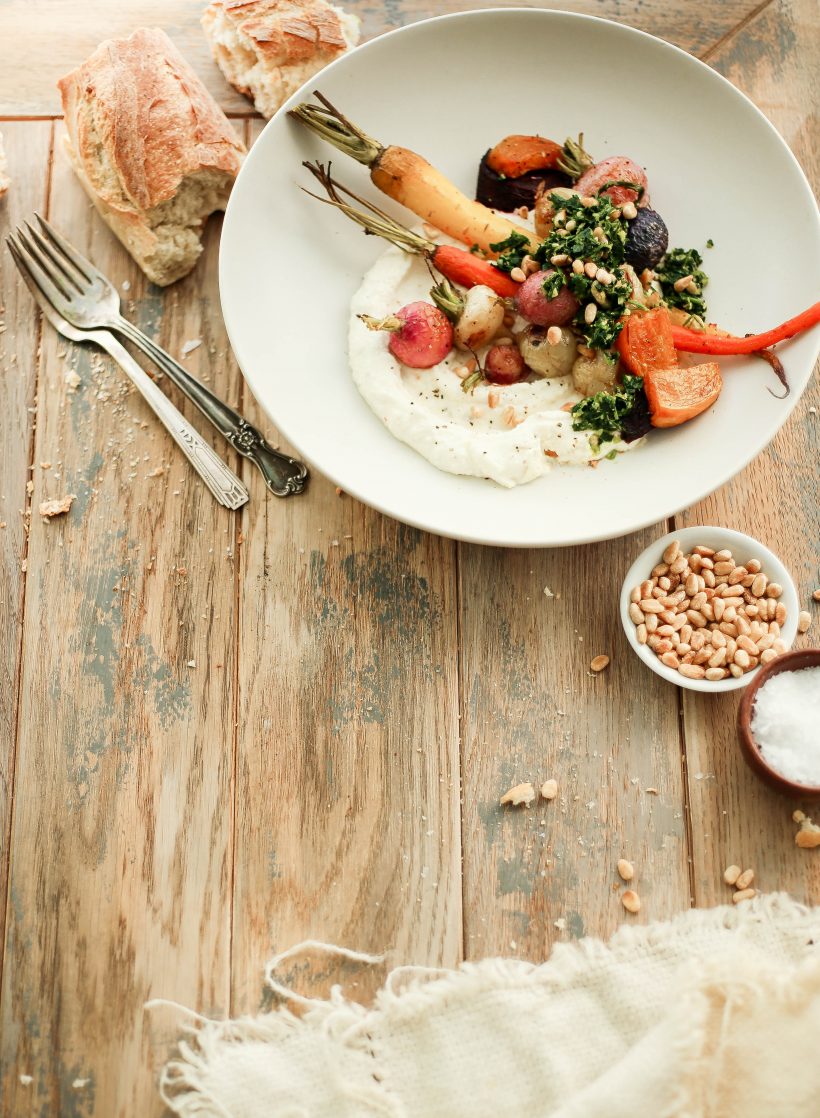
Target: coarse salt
[{"x": 785, "y": 717}]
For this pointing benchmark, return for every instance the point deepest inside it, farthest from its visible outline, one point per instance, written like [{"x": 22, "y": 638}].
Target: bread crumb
[
  {"x": 549, "y": 789},
  {"x": 192, "y": 663},
  {"x": 72, "y": 380},
  {"x": 548, "y": 593},
  {"x": 26, "y": 1080},
  {"x": 190, "y": 346},
  {"x": 58, "y": 506},
  {"x": 808, "y": 837},
  {"x": 158, "y": 471},
  {"x": 520, "y": 794}
]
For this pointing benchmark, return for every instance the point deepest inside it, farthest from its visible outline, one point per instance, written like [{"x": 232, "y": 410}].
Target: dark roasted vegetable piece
[
  {"x": 506, "y": 194},
  {"x": 647, "y": 240}
]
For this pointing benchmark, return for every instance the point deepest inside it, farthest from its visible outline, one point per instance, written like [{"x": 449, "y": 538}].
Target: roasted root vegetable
[
  {"x": 619, "y": 177},
  {"x": 411, "y": 180},
  {"x": 504, "y": 365},
  {"x": 646, "y": 342},
  {"x": 544, "y": 310},
  {"x": 420, "y": 334},
  {"x": 697, "y": 341},
  {"x": 516, "y": 155},
  {"x": 549, "y": 353},
  {"x": 647, "y": 240},
  {"x": 595, "y": 373},
  {"x": 676, "y": 395},
  {"x": 457, "y": 264},
  {"x": 509, "y": 194},
  {"x": 481, "y": 317}
]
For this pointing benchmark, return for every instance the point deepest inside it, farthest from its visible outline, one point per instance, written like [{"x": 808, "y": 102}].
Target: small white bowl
[{"x": 743, "y": 548}]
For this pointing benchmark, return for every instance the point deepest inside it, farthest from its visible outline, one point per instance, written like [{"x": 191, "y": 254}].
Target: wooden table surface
[{"x": 221, "y": 734}]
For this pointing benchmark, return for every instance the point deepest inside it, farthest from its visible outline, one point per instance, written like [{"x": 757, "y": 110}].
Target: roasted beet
[
  {"x": 647, "y": 240},
  {"x": 506, "y": 194}
]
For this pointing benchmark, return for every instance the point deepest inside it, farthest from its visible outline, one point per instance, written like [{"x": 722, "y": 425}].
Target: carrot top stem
[
  {"x": 326, "y": 121},
  {"x": 371, "y": 218}
]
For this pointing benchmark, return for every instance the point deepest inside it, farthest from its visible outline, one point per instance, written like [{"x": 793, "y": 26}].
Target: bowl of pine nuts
[{"x": 706, "y": 607}]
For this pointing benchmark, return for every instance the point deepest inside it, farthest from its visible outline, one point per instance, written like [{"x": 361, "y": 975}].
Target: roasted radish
[
  {"x": 420, "y": 334},
  {"x": 619, "y": 178},
  {"x": 541, "y": 309},
  {"x": 480, "y": 319},
  {"x": 504, "y": 365}
]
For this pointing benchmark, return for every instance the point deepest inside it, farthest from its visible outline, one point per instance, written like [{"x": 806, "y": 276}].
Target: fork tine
[
  {"x": 85, "y": 267},
  {"x": 66, "y": 267},
  {"x": 39, "y": 278},
  {"x": 49, "y": 269}
]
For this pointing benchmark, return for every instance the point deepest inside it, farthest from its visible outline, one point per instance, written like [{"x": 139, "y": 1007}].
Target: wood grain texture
[
  {"x": 532, "y": 711},
  {"x": 122, "y": 840},
  {"x": 28, "y": 149},
  {"x": 347, "y": 788},
  {"x": 736, "y": 819},
  {"x": 62, "y": 40}
]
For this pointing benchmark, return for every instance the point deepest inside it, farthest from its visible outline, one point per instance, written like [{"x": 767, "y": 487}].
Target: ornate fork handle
[{"x": 284, "y": 476}]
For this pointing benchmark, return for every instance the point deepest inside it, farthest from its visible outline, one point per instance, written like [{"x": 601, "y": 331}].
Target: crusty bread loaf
[
  {"x": 268, "y": 48},
  {"x": 152, "y": 148},
  {"x": 5, "y": 181}
]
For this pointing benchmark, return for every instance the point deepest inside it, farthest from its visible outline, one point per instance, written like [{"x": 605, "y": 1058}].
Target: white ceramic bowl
[
  {"x": 743, "y": 548},
  {"x": 450, "y": 88}
]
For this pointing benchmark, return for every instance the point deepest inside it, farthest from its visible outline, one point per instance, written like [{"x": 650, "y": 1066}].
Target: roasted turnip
[
  {"x": 536, "y": 307},
  {"x": 420, "y": 334},
  {"x": 549, "y": 353},
  {"x": 480, "y": 319},
  {"x": 595, "y": 374}
]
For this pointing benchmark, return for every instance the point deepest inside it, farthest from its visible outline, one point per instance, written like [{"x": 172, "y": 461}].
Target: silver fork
[
  {"x": 95, "y": 303},
  {"x": 220, "y": 479}
]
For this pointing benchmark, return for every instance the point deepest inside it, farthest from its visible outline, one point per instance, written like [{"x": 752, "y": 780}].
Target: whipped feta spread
[{"x": 510, "y": 434}]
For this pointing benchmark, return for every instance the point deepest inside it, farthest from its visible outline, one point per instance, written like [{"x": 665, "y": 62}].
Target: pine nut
[
  {"x": 686, "y": 633},
  {"x": 723, "y": 567},
  {"x": 636, "y": 613},
  {"x": 641, "y": 634},
  {"x": 663, "y": 646},
  {"x": 599, "y": 663},
  {"x": 718, "y": 658},
  {"x": 737, "y": 575},
  {"x": 660, "y": 569},
  {"x": 679, "y": 565},
  {"x": 699, "y": 600},
  {"x": 741, "y": 658},
  {"x": 651, "y": 605},
  {"x": 704, "y": 552},
  {"x": 702, "y": 657},
  {"x": 743, "y": 895},
  {"x": 590, "y": 311},
  {"x": 747, "y": 645},
  {"x": 774, "y": 590},
  {"x": 767, "y": 656},
  {"x": 730, "y": 615},
  {"x": 670, "y": 659},
  {"x": 646, "y": 588},
  {"x": 631, "y": 901},
  {"x": 629, "y": 210},
  {"x": 816, "y": 594},
  {"x": 803, "y": 621},
  {"x": 692, "y": 671},
  {"x": 745, "y": 879},
  {"x": 736, "y": 670},
  {"x": 671, "y": 552},
  {"x": 713, "y": 674},
  {"x": 708, "y": 577},
  {"x": 549, "y": 789},
  {"x": 697, "y": 640},
  {"x": 518, "y": 274},
  {"x": 765, "y": 642},
  {"x": 651, "y": 622},
  {"x": 626, "y": 870},
  {"x": 753, "y": 566},
  {"x": 697, "y": 618},
  {"x": 591, "y": 269},
  {"x": 774, "y": 628},
  {"x": 731, "y": 649},
  {"x": 691, "y": 585},
  {"x": 578, "y": 267},
  {"x": 667, "y": 617},
  {"x": 665, "y": 583},
  {"x": 721, "y": 556},
  {"x": 635, "y": 595},
  {"x": 731, "y": 874},
  {"x": 779, "y": 646},
  {"x": 779, "y": 613},
  {"x": 559, "y": 258},
  {"x": 718, "y": 638}
]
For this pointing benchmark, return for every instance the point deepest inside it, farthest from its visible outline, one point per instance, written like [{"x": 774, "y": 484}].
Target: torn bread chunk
[
  {"x": 267, "y": 49},
  {"x": 152, "y": 148}
]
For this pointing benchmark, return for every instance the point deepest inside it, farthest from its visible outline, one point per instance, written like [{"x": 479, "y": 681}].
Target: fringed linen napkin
[{"x": 715, "y": 1014}]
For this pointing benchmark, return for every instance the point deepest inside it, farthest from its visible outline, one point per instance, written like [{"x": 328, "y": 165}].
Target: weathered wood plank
[
  {"x": 28, "y": 149},
  {"x": 347, "y": 779},
  {"x": 534, "y": 711},
  {"x": 58, "y": 43},
  {"x": 122, "y": 839},
  {"x": 776, "y": 499}
]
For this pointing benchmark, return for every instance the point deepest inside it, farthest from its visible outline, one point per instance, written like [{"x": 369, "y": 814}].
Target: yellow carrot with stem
[{"x": 411, "y": 180}]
